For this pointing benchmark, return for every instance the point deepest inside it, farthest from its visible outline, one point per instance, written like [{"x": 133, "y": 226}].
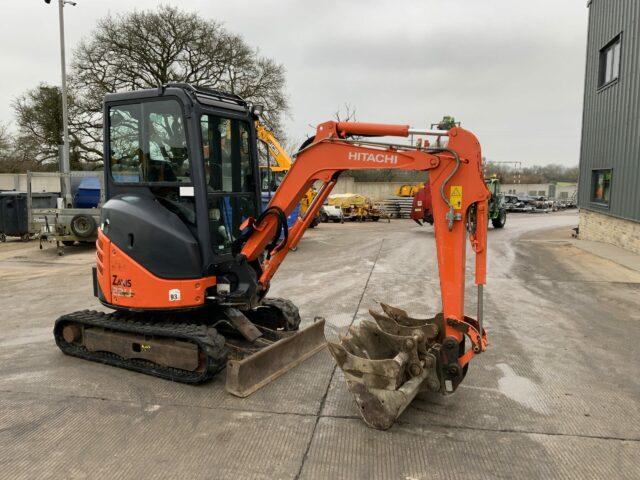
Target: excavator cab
[
  {"x": 181, "y": 180},
  {"x": 182, "y": 168}
]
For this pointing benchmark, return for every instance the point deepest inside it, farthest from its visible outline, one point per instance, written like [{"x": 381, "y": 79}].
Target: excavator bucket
[
  {"x": 387, "y": 362},
  {"x": 270, "y": 355}
]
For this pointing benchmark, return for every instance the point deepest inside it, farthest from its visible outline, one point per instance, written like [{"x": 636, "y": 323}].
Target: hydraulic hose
[
  {"x": 281, "y": 228},
  {"x": 451, "y": 214}
]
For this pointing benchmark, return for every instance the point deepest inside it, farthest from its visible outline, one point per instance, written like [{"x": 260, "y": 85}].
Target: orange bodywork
[
  {"x": 371, "y": 129},
  {"x": 126, "y": 284},
  {"x": 330, "y": 154}
]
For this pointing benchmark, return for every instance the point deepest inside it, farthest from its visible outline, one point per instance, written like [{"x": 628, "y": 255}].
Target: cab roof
[{"x": 198, "y": 94}]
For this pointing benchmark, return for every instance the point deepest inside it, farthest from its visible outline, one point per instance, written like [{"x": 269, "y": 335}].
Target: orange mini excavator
[{"x": 185, "y": 257}]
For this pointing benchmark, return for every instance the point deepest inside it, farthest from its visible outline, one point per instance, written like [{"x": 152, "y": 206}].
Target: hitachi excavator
[{"x": 185, "y": 261}]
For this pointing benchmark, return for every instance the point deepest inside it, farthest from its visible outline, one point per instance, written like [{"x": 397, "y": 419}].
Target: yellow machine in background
[
  {"x": 408, "y": 190},
  {"x": 357, "y": 207},
  {"x": 278, "y": 169},
  {"x": 275, "y": 151}
]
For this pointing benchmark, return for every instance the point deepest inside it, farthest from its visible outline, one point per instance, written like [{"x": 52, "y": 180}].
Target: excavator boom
[
  {"x": 428, "y": 351},
  {"x": 455, "y": 172}
]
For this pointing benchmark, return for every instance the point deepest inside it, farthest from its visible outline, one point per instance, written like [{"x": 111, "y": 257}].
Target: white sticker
[
  {"x": 174, "y": 295},
  {"x": 186, "y": 192},
  {"x": 223, "y": 288}
]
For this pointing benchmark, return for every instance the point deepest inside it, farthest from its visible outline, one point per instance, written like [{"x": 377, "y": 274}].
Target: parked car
[
  {"x": 331, "y": 213},
  {"x": 542, "y": 204},
  {"x": 513, "y": 203}
]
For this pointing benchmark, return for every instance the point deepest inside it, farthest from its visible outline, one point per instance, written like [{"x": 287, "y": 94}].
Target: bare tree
[
  {"x": 16, "y": 152},
  {"x": 39, "y": 118},
  {"x": 346, "y": 115},
  {"x": 535, "y": 174},
  {"x": 5, "y": 140},
  {"x": 38, "y": 115},
  {"x": 146, "y": 48}
]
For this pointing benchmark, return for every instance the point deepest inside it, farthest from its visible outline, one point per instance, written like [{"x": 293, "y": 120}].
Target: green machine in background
[{"x": 497, "y": 210}]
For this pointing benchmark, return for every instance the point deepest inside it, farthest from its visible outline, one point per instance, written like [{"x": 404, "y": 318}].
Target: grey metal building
[{"x": 609, "y": 197}]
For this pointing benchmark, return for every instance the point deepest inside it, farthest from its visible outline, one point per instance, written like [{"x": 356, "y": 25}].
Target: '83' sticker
[{"x": 174, "y": 295}]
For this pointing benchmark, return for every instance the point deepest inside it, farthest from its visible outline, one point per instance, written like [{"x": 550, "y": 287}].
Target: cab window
[
  {"x": 227, "y": 154},
  {"x": 230, "y": 179},
  {"x": 148, "y": 143}
]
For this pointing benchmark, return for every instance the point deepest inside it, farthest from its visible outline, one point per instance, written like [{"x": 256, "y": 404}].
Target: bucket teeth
[
  {"x": 386, "y": 363},
  {"x": 402, "y": 317}
]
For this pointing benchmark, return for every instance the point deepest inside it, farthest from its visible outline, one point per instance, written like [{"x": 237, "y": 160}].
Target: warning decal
[{"x": 455, "y": 196}]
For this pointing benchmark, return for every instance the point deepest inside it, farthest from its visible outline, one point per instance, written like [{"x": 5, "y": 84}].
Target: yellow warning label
[{"x": 455, "y": 196}]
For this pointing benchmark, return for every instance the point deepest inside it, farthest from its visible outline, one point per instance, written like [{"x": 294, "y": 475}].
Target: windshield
[
  {"x": 147, "y": 143},
  {"x": 148, "y": 146}
]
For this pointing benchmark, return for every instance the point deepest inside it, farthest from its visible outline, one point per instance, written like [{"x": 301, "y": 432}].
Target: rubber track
[
  {"x": 206, "y": 338},
  {"x": 287, "y": 309}
]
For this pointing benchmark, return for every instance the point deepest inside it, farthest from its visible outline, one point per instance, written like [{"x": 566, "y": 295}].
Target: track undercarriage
[{"x": 257, "y": 345}]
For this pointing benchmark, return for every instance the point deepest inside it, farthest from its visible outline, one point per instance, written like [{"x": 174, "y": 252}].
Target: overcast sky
[{"x": 511, "y": 70}]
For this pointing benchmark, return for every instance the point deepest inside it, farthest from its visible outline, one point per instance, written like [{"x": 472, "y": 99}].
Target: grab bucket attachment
[{"x": 387, "y": 362}]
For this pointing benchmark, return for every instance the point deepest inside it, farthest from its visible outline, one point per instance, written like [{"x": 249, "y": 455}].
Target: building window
[
  {"x": 610, "y": 62},
  {"x": 601, "y": 186}
]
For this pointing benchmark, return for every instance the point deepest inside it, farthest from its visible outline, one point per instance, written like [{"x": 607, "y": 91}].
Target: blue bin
[{"x": 88, "y": 193}]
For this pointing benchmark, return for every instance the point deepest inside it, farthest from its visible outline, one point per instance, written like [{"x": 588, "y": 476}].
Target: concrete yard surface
[{"x": 556, "y": 395}]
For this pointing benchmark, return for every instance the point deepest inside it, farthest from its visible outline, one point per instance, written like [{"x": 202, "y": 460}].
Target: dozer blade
[
  {"x": 387, "y": 363},
  {"x": 248, "y": 374}
]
